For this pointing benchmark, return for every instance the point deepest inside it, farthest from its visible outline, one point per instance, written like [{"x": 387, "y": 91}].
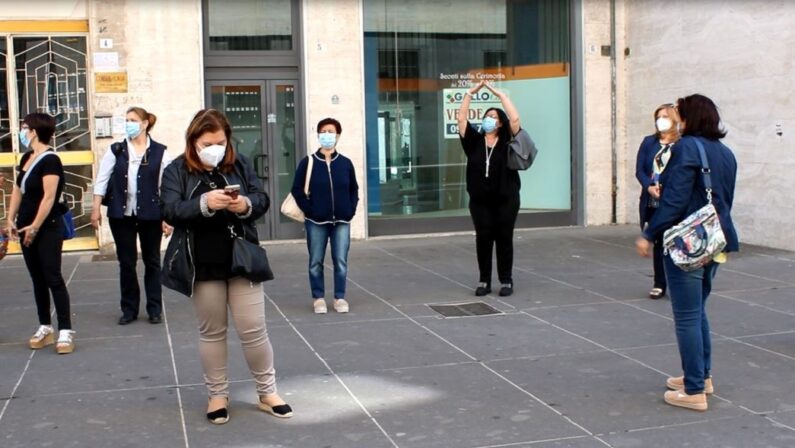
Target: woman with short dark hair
[
  {"x": 36, "y": 217},
  {"x": 683, "y": 193},
  {"x": 328, "y": 211}
]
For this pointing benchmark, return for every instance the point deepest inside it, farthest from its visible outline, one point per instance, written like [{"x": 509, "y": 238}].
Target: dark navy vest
[{"x": 148, "y": 194}]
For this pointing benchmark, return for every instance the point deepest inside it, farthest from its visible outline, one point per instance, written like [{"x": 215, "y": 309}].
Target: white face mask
[
  {"x": 664, "y": 124},
  {"x": 212, "y": 155}
]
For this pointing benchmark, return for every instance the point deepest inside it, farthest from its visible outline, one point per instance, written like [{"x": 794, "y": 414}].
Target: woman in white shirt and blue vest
[{"x": 128, "y": 183}]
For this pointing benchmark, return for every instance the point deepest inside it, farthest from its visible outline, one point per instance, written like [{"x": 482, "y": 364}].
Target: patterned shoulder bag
[{"x": 694, "y": 242}]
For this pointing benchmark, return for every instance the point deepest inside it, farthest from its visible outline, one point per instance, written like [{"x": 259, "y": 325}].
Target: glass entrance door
[
  {"x": 47, "y": 74},
  {"x": 263, "y": 117}
]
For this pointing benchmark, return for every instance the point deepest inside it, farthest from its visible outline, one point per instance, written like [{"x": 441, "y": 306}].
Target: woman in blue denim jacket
[
  {"x": 329, "y": 209},
  {"x": 683, "y": 193}
]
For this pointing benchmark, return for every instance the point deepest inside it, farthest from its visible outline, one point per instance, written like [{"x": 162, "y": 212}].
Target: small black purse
[{"x": 249, "y": 260}]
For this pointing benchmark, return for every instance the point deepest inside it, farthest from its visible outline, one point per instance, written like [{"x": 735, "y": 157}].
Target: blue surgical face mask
[
  {"x": 133, "y": 129},
  {"x": 489, "y": 124},
  {"x": 23, "y": 138},
  {"x": 327, "y": 140}
]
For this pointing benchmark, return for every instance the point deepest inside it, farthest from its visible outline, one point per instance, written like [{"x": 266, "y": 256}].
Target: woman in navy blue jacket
[
  {"x": 653, "y": 155},
  {"x": 683, "y": 193},
  {"x": 329, "y": 208}
]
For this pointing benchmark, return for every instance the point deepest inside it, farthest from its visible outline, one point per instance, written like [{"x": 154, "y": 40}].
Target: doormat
[{"x": 465, "y": 309}]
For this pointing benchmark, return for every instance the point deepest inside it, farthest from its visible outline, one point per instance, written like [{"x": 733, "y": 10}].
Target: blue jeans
[
  {"x": 317, "y": 235},
  {"x": 689, "y": 292}
]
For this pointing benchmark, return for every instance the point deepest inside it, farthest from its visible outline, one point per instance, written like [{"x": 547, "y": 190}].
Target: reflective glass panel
[
  {"x": 420, "y": 58},
  {"x": 250, "y": 25}
]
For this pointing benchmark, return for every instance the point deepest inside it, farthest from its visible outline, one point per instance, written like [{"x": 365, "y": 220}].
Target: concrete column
[{"x": 334, "y": 82}]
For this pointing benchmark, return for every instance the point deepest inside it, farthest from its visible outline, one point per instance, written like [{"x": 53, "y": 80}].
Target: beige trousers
[{"x": 245, "y": 301}]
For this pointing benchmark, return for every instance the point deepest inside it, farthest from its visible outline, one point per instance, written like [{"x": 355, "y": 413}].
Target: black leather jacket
[{"x": 181, "y": 209}]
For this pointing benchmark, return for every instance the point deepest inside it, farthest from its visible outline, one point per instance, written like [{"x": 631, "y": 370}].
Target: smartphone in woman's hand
[{"x": 232, "y": 191}]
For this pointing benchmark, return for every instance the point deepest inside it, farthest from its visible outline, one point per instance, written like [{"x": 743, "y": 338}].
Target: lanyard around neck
[{"x": 489, "y": 152}]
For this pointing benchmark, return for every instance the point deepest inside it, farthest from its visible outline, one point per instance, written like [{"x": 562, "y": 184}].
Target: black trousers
[
  {"x": 657, "y": 257},
  {"x": 43, "y": 259},
  {"x": 126, "y": 232},
  {"x": 494, "y": 222}
]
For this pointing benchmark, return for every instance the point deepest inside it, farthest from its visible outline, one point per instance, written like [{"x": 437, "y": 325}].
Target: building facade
[{"x": 585, "y": 76}]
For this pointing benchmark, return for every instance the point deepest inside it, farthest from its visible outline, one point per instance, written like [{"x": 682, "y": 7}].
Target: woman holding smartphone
[{"x": 210, "y": 194}]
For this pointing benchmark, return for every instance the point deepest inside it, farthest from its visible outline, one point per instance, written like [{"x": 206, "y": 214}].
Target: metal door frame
[{"x": 272, "y": 228}]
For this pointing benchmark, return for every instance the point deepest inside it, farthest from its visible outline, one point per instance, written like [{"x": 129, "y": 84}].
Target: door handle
[{"x": 261, "y": 166}]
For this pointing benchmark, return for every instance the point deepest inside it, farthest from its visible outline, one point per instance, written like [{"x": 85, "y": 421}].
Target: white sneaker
[
  {"x": 43, "y": 337},
  {"x": 341, "y": 306},
  {"x": 66, "y": 343},
  {"x": 320, "y": 306}
]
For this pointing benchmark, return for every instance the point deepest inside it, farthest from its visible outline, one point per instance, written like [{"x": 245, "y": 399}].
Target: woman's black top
[
  {"x": 34, "y": 189},
  {"x": 502, "y": 182},
  {"x": 213, "y": 239}
]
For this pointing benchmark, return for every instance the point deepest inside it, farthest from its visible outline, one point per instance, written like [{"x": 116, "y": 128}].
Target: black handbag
[
  {"x": 249, "y": 260},
  {"x": 522, "y": 151}
]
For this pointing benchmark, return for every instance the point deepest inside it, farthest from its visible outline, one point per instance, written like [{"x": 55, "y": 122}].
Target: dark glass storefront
[{"x": 420, "y": 57}]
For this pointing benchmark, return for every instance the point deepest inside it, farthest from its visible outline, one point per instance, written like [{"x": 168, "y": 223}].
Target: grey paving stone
[
  {"x": 446, "y": 406},
  {"x": 722, "y": 314},
  {"x": 618, "y": 285},
  {"x": 745, "y": 432},
  {"x": 120, "y": 419},
  {"x": 506, "y": 336},
  {"x": 291, "y": 356},
  {"x": 381, "y": 345},
  {"x": 15, "y": 356},
  {"x": 325, "y": 416},
  {"x": 531, "y": 291},
  {"x": 777, "y": 298},
  {"x": 614, "y": 325},
  {"x": 102, "y": 364},
  {"x": 744, "y": 375},
  {"x": 779, "y": 343},
  {"x": 421, "y": 390},
  {"x": 603, "y": 392}
]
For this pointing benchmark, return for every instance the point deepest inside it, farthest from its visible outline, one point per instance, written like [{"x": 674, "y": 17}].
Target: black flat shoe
[
  {"x": 506, "y": 290},
  {"x": 482, "y": 289},
  {"x": 125, "y": 320},
  {"x": 155, "y": 319},
  {"x": 281, "y": 411},
  {"x": 219, "y": 416}
]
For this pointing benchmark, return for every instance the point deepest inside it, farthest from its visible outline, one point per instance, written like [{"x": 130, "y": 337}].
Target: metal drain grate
[
  {"x": 465, "y": 309},
  {"x": 106, "y": 257}
]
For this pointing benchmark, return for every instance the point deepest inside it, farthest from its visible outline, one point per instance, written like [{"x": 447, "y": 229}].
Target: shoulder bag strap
[
  {"x": 705, "y": 169},
  {"x": 308, "y": 176},
  {"x": 30, "y": 168}
]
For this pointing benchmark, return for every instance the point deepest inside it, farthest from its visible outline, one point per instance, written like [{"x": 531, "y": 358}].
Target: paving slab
[{"x": 577, "y": 359}]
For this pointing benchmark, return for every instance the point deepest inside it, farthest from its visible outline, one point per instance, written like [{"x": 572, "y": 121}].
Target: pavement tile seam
[
  {"x": 758, "y": 277},
  {"x": 677, "y": 425},
  {"x": 534, "y": 442},
  {"x": 776, "y": 422},
  {"x": 176, "y": 373},
  {"x": 725, "y": 295}
]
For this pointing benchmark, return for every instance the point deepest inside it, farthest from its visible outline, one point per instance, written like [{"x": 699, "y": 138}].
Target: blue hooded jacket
[{"x": 333, "y": 190}]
